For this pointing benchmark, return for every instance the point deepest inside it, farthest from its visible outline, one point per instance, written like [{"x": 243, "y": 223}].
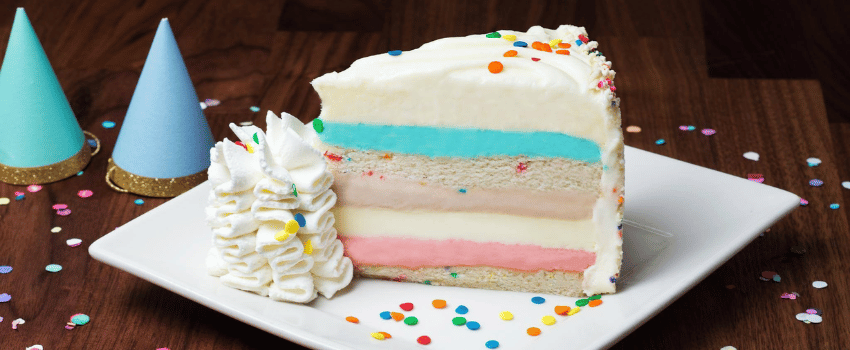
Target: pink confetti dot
[
  {"x": 708, "y": 132},
  {"x": 811, "y": 311},
  {"x": 683, "y": 127},
  {"x": 60, "y": 206},
  {"x": 34, "y": 188},
  {"x": 803, "y": 202},
  {"x": 19, "y": 193},
  {"x": 64, "y": 212},
  {"x": 85, "y": 193}
]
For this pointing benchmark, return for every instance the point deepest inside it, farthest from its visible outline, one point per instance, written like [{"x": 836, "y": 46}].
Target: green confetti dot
[
  {"x": 318, "y": 125},
  {"x": 582, "y": 302},
  {"x": 494, "y": 35},
  {"x": 595, "y": 297},
  {"x": 256, "y": 139},
  {"x": 454, "y": 274},
  {"x": 294, "y": 191},
  {"x": 459, "y": 321},
  {"x": 426, "y": 282},
  {"x": 410, "y": 321}
]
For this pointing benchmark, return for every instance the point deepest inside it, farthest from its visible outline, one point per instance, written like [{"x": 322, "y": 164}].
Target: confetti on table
[
  {"x": 255, "y": 109},
  {"x": 462, "y": 309},
  {"x": 439, "y": 303},
  {"x": 752, "y": 156},
  {"x": 5, "y": 297},
  {"x": 473, "y": 326},
  {"x": 819, "y": 284},
  {"x": 5, "y": 269},
  {"x": 17, "y": 322},
  {"x": 729, "y": 347},
  {"x": 80, "y": 173},
  {"x": 708, "y": 132},
  {"x": 813, "y": 162},
  {"x": 845, "y": 184},
  {"x": 108, "y": 124},
  {"x": 80, "y": 319},
  {"x": 815, "y": 182},
  {"x": 803, "y": 202},
  {"x": 212, "y": 102},
  {"x": 406, "y": 306},
  {"x": 203, "y": 105},
  {"x": 4, "y": 201},
  {"x": 56, "y": 229},
  {"x": 538, "y": 300},
  {"x": 756, "y": 177},
  {"x": 73, "y": 242},
  {"x": 63, "y": 212},
  {"x": 424, "y": 340},
  {"x": 139, "y": 201},
  {"x": 59, "y": 206},
  {"x": 633, "y": 128},
  {"x": 85, "y": 193},
  {"x": 660, "y": 142},
  {"x": 791, "y": 296},
  {"x": 506, "y": 315},
  {"x": 834, "y": 206},
  {"x": 34, "y": 188},
  {"x": 35, "y": 347},
  {"x": 491, "y": 344},
  {"x": 53, "y": 268}
]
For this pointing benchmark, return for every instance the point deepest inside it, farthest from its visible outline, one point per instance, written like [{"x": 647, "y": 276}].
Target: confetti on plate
[
  {"x": 752, "y": 156},
  {"x": 85, "y": 193},
  {"x": 819, "y": 284}
]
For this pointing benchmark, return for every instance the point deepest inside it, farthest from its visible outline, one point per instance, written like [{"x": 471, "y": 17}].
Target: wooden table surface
[{"x": 765, "y": 75}]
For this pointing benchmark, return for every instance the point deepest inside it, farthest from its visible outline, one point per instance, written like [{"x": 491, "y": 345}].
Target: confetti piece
[
  {"x": 386, "y": 315},
  {"x": 509, "y": 37},
  {"x": 19, "y": 197},
  {"x": 53, "y": 268},
  {"x": 811, "y": 311},
  {"x": 108, "y": 124},
  {"x": 5, "y": 297},
  {"x": 660, "y": 142},
  {"x": 459, "y": 321},
  {"x": 139, "y": 201},
  {"x": 212, "y": 102},
  {"x": 728, "y": 347},
  {"x": 352, "y": 319},
  {"x": 788, "y": 296},
  {"x": 80, "y": 319},
  {"x": 462, "y": 310},
  {"x": 510, "y": 53},
  {"x": 17, "y": 322},
  {"x": 4, "y": 201},
  {"x": 595, "y": 297},
  {"x": 834, "y": 206},
  {"x": 683, "y": 127},
  {"x": 386, "y": 335},
  {"x": 538, "y": 300},
  {"x": 473, "y": 326},
  {"x": 80, "y": 173},
  {"x": 424, "y": 340},
  {"x": 802, "y": 316},
  {"x": 708, "y": 132},
  {"x": 73, "y": 242},
  {"x": 63, "y": 212},
  {"x": 454, "y": 274},
  {"x": 548, "y": 320},
  {"x": 35, "y": 347},
  {"x": 819, "y": 284},
  {"x": 19, "y": 193},
  {"x": 633, "y": 128},
  {"x": 814, "y": 319},
  {"x": 397, "y": 316},
  {"x": 494, "y": 35},
  {"x": 246, "y": 123},
  {"x": 254, "y": 109},
  {"x": 533, "y": 331},
  {"x": 752, "y": 156},
  {"x": 5, "y": 269},
  {"x": 535, "y": 59},
  {"x": 520, "y": 44},
  {"x": 59, "y": 206},
  {"x": 573, "y": 311},
  {"x": 34, "y": 188},
  {"x": 815, "y": 182},
  {"x": 406, "y": 306},
  {"x": 594, "y": 303},
  {"x": 203, "y": 105},
  {"x": 378, "y": 336},
  {"x": 439, "y": 303},
  {"x": 85, "y": 193},
  {"x": 394, "y": 52},
  {"x": 506, "y": 315},
  {"x": 56, "y": 229},
  {"x": 299, "y": 218},
  {"x": 582, "y": 302},
  {"x": 845, "y": 184},
  {"x": 495, "y": 67},
  {"x": 812, "y": 162},
  {"x": 491, "y": 344},
  {"x": 562, "y": 310},
  {"x": 803, "y": 202},
  {"x": 411, "y": 321}
]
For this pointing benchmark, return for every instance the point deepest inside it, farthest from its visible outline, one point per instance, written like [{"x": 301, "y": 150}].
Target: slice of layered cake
[{"x": 487, "y": 161}]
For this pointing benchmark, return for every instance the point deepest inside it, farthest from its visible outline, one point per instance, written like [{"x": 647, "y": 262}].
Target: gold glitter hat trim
[
  {"x": 50, "y": 173},
  {"x": 125, "y": 181}
]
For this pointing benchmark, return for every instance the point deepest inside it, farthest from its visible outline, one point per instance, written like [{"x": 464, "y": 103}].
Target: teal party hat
[
  {"x": 41, "y": 139},
  {"x": 163, "y": 148}
]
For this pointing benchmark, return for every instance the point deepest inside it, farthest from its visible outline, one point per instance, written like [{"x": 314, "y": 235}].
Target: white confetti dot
[
  {"x": 729, "y": 347},
  {"x": 73, "y": 242},
  {"x": 819, "y": 284},
  {"x": 846, "y": 184},
  {"x": 56, "y": 229},
  {"x": 752, "y": 156},
  {"x": 813, "y": 161},
  {"x": 36, "y": 347},
  {"x": 814, "y": 318},
  {"x": 203, "y": 105},
  {"x": 802, "y": 316}
]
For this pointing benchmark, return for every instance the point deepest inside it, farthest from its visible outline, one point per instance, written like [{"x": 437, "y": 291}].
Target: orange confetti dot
[
  {"x": 397, "y": 316},
  {"x": 564, "y": 45},
  {"x": 536, "y": 45},
  {"x": 439, "y": 303},
  {"x": 594, "y": 303},
  {"x": 386, "y": 335},
  {"x": 544, "y": 47},
  {"x": 388, "y": 156},
  {"x": 562, "y": 310},
  {"x": 495, "y": 67},
  {"x": 352, "y": 319},
  {"x": 510, "y": 53},
  {"x": 533, "y": 331},
  {"x": 620, "y": 200},
  {"x": 563, "y": 52}
]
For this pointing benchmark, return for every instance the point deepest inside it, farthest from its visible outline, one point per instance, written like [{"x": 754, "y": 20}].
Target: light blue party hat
[
  {"x": 40, "y": 139},
  {"x": 165, "y": 134}
]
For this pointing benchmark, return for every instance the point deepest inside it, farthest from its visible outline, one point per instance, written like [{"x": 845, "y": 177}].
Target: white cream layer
[{"x": 476, "y": 227}]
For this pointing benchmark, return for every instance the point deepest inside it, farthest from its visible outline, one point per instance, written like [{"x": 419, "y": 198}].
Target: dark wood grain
[{"x": 678, "y": 63}]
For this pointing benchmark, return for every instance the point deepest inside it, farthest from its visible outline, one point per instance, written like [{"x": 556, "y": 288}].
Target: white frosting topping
[{"x": 257, "y": 189}]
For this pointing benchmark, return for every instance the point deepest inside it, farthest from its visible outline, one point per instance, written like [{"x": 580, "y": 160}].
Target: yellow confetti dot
[
  {"x": 291, "y": 226},
  {"x": 506, "y": 315},
  {"x": 308, "y": 247},
  {"x": 56, "y": 229},
  {"x": 548, "y": 320},
  {"x": 281, "y": 235},
  {"x": 509, "y": 37},
  {"x": 378, "y": 336},
  {"x": 574, "y": 311},
  {"x": 250, "y": 149},
  {"x": 4, "y": 201},
  {"x": 553, "y": 43}
]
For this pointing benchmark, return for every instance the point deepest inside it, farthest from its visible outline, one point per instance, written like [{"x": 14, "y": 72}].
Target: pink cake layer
[
  {"x": 371, "y": 191},
  {"x": 416, "y": 253}
]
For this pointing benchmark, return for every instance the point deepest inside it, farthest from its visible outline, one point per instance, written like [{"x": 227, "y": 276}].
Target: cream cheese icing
[{"x": 260, "y": 184}]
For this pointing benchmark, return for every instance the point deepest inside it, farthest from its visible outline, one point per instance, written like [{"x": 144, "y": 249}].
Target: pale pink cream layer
[
  {"x": 417, "y": 253},
  {"x": 358, "y": 190}
]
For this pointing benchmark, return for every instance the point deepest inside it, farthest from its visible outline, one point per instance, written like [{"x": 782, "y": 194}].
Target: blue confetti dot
[
  {"x": 139, "y": 201},
  {"x": 255, "y": 109},
  {"x": 660, "y": 142},
  {"x": 538, "y": 300},
  {"x": 491, "y": 344},
  {"x": 53, "y": 268},
  {"x": 386, "y": 315},
  {"x": 19, "y": 197},
  {"x": 613, "y": 279},
  {"x": 5, "y": 269},
  {"x": 816, "y": 182},
  {"x": 834, "y": 206},
  {"x": 472, "y": 325},
  {"x": 5, "y": 297},
  {"x": 578, "y": 42},
  {"x": 108, "y": 124},
  {"x": 394, "y": 52},
  {"x": 301, "y": 220},
  {"x": 462, "y": 310},
  {"x": 462, "y": 190},
  {"x": 520, "y": 44},
  {"x": 80, "y": 319},
  {"x": 691, "y": 128},
  {"x": 92, "y": 142},
  {"x": 80, "y": 173}
]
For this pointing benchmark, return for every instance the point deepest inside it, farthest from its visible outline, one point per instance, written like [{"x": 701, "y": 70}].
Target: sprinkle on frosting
[
  {"x": 308, "y": 247},
  {"x": 333, "y": 157},
  {"x": 281, "y": 235},
  {"x": 494, "y": 35},
  {"x": 509, "y": 37},
  {"x": 564, "y": 45},
  {"x": 299, "y": 218},
  {"x": 563, "y": 52},
  {"x": 510, "y": 53},
  {"x": 495, "y": 67},
  {"x": 256, "y": 140},
  {"x": 562, "y": 310},
  {"x": 318, "y": 125},
  {"x": 520, "y": 44},
  {"x": 394, "y": 52},
  {"x": 294, "y": 191}
]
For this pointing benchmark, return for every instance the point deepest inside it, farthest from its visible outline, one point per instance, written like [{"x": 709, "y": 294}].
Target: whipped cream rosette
[{"x": 269, "y": 211}]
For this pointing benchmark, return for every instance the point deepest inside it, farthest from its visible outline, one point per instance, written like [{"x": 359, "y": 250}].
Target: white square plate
[{"x": 682, "y": 222}]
